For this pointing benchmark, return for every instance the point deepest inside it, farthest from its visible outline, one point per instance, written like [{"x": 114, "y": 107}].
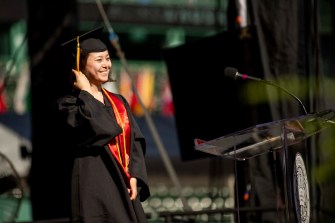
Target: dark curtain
[
  {"x": 289, "y": 45},
  {"x": 50, "y": 23}
]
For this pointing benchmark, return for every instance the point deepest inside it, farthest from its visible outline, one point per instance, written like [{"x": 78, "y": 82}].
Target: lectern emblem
[{"x": 301, "y": 190}]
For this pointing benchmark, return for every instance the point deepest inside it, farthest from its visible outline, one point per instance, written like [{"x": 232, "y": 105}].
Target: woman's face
[{"x": 97, "y": 67}]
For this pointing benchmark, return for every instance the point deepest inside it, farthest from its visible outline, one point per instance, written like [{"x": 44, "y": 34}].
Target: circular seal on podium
[{"x": 301, "y": 190}]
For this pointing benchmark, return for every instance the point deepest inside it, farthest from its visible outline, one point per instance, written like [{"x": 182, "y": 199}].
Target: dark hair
[{"x": 83, "y": 60}]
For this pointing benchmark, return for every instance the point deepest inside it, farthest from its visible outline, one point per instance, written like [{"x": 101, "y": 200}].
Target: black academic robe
[{"x": 98, "y": 191}]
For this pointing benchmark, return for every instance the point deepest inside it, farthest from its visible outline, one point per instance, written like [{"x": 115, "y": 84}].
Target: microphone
[{"x": 233, "y": 73}]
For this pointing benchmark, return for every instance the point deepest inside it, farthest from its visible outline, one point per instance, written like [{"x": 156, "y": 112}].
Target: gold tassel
[{"x": 78, "y": 54}]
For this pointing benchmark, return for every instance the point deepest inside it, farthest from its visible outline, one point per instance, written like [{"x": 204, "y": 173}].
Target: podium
[{"x": 276, "y": 137}]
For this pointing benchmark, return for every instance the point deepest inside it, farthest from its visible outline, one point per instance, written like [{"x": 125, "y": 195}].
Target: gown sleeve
[
  {"x": 89, "y": 122},
  {"x": 137, "y": 167}
]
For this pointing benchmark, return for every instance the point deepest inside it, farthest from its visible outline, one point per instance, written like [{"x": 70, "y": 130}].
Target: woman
[{"x": 109, "y": 178}]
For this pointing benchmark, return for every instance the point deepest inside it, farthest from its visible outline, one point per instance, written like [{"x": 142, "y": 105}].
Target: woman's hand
[
  {"x": 133, "y": 188},
  {"x": 81, "y": 82}
]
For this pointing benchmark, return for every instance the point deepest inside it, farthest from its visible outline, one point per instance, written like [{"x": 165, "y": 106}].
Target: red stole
[{"x": 120, "y": 146}]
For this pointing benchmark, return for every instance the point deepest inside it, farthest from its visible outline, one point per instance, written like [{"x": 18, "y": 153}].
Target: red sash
[{"x": 120, "y": 146}]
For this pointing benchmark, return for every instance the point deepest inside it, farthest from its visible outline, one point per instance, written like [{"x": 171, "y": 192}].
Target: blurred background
[{"x": 174, "y": 53}]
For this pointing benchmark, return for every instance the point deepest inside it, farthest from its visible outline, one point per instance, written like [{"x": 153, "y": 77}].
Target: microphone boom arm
[
  {"x": 281, "y": 88},
  {"x": 233, "y": 73}
]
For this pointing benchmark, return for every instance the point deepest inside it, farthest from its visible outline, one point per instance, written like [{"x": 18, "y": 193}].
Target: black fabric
[
  {"x": 99, "y": 193},
  {"x": 92, "y": 45},
  {"x": 89, "y": 42},
  {"x": 283, "y": 34},
  {"x": 217, "y": 102}
]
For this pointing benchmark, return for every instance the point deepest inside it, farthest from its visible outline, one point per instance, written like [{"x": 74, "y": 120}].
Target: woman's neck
[{"x": 97, "y": 93}]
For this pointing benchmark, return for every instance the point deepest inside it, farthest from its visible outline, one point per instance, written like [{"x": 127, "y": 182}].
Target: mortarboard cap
[{"x": 87, "y": 43}]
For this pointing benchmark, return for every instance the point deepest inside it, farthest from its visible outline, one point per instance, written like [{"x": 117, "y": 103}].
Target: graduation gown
[{"x": 98, "y": 189}]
